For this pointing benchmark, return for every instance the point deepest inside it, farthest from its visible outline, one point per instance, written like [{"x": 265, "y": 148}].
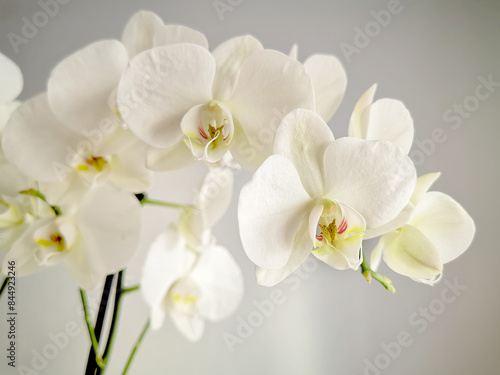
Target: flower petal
[
  {"x": 270, "y": 85},
  {"x": 444, "y": 221},
  {"x": 129, "y": 169},
  {"x": 37, "y": 144},
  {"x": 424, "y": 183},
  {"x": 271, "y": 207},
  {"x": 400, "y": 220},
  {"x": 78, "y": 267},
  {"x": 80, "y": 87},
  {"x": 329, "y": 81},
  {"x": 175, "y": 157},
  {"x": 109, "y": 221},
  {"x": 390, "y": 121},
  {"x": 23, "y": 251},
  {"x": 303, "y": 137},
  {"x": 374, "y": 177},
  {"x": 139, "y": 33},
  {"x": 215, "y": 194},
  {"x": 221, "y": 283},
  {"x": 301, "y": 249},
  {"x": 11, "y": 80},
  {"x": 190, "y": 325},
  {"x": 246, "y": 154},
  {"x": 229, "y": 57},
  {"x": 166, "y": 261},
  {"x": 174, "y": 34},
  {"x": 409, "y": 252},
  {"x": 160, "y": 86},
  {"x": 361, "y": 114}
]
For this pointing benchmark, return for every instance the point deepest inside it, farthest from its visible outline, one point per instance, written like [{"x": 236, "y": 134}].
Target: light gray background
[{"x": 429, "y": 56}]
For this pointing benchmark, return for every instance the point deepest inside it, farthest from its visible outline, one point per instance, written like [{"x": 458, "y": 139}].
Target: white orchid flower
[
  {"x": 187, "y": 102},
  {"x": 317, "y": 192},
  {"x": 82, "y": 87},
  {"x": 41, "y": 147},
  {"x": 437, "y": 231},
  {"x": 385, "y": 120},
  {"x": 93, "y": 237},
  {"x": 17, "y": 214},
  {"x": 186, "y": 275}
]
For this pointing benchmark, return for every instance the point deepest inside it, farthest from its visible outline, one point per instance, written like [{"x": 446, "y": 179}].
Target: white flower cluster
[{"x": 74, "y": 158}]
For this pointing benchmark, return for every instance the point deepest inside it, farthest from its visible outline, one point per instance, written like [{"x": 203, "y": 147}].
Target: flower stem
[
  {"x": 4, "y": 285},
  {"x": 114, "y": 321},
  {"x": 370, "y": 274},
  {"x": 95, "y": 344},
  {"x": 136, "y": 347},
  {"x": 131, "y": 289},
  {"x": 144, "y": 200},
  {"x": 92, "y": 366}
]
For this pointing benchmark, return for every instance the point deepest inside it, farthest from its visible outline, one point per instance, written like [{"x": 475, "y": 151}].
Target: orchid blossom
[
  {"x": 186, "y": 275},
  {"x": 322, "y": 193},
  {"x": 437, "y": 231}
]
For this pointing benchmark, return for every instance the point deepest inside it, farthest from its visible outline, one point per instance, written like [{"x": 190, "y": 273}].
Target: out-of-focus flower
[
  {"x": 437, "y": 231},
  {"x": 319, "y": 192},
  {"x": 186, "y": 275},
  {"x": 183, "y": 100},
  {"x": 93, "y": 237},
  {"x": 41, "y": 147}
]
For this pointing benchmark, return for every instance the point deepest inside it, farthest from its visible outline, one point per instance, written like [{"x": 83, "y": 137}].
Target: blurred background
[{"x": 432, "y": 56}]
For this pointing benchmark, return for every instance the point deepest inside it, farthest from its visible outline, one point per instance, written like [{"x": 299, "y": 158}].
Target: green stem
[
  {"x": 165, "y": 204},
  {"x": 131, "y": 289},
  {"x": 370, "y": 274},
  {"x": 114, "y": 320},
  {"x": 4, "y": 285},
  {"x": 93, "y": 339},
  {"x": 136, "y": 347}
]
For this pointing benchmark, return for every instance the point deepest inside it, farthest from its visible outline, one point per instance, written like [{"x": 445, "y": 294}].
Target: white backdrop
[{"x": 431, "y": 56}]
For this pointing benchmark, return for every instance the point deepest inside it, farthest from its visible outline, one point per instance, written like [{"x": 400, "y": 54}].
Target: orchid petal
[
  {"x": 271, "y": 207},
  {"x": 409, "y": 252},
  {"x": 303, "y": 137},
  {"x": 229, "y": 57},
  {"x": 80, "y": 87},
  {"x": 220, "y": 281},
  {"x": 11, "y": 80},
  {"x": 109, "y": 221},
  {"x": 175, "y": 157},
  {"x": 302, "y": 246},
  {"x": 174, "y": 34},
  {"x": 160, "y": 86},
  {"x": 270, "y": 85},
  {"x": 329, "y": 81},
  {"x": 390, "y": 121},
  {"x": 37, "y": 144},
  {"x": 444, "y": 221},
  {"x": 374, "y": 177},
  {"x": 361, "y": 114},
  {"x": 139, "y": 33},
  {"x": 424, "y": 183}
]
